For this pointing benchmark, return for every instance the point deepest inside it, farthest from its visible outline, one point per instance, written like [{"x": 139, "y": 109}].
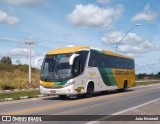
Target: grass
[
  {"x": 16, "y": 95},
  {"x": 145, "y": 83},
  {"x": 16, "y": 77}
]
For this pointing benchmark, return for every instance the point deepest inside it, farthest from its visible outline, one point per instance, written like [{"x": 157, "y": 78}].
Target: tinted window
[
  {"x": 101, "y": 60},
  {"x": 56, "y": 67},
  {"x": 94, "y": 59},
  {"x": 77, "y": 67},
  {"x": 80, "y": 62},
  {"x": 83, "y": 57}
]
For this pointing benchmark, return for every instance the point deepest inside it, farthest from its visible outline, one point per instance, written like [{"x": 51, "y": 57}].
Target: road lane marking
[
  {"x": 24, "y": 111},
  {"x": 126, "y": 110},
  {"x": 135, "y": 107}
]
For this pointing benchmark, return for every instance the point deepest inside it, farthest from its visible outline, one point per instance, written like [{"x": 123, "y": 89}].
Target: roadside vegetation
[
  {"x": 145, "y": 76},
  {"x": 17, "y": 95},
  {"x": 147, "y": 79},
  {"x": 147, "y": 83},
  {"x": 16, "y": 76}
]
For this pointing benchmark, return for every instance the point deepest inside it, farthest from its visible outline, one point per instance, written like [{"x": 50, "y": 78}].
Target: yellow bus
[{"x": 85, "y": 70}]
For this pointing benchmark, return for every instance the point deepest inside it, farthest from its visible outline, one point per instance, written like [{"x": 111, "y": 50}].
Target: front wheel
[{"x": 90, "y": 90}]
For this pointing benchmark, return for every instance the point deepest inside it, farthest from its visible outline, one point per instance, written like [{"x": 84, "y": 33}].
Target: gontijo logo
[{"x": 120, "y": 72}]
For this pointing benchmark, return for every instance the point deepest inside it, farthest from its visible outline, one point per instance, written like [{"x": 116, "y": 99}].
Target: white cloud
[
  {"x": 146, "y": 46},
  {"x": 103, "y": 1},
  {"x": 115, "y": 37},
  {"x": 24, "y": 2},
  {"x": 19, "y": 52},
  {"x": 132, "y": 43},
  {"x": 5, "y": 18},
  {"x": 146, "y": 15},
  {"x": 94, "y": 16},
  {"x": 3, "y": 38},
  {"x": 130, "y": 54},
  {"x": 134, "y": 55}
]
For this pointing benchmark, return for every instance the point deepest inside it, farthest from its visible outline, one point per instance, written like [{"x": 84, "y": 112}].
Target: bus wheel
[
  {"x": 125, "y": 87},
  {"x": 90, "y": 90},
  {"x": 62, "y": 96}
]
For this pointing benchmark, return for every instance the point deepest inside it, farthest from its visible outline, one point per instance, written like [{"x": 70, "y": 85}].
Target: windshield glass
[{"x": 56, "y": 67}]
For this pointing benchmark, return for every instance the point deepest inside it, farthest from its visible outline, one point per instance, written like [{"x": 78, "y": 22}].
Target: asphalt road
[{"x": 99, "y": 104}]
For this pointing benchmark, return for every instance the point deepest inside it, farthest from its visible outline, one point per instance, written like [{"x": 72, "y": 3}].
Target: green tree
[
  {"x": 158, "y": 75},
  {"x": 6, "y": 60},
  {"x": 141, "y": 76}
]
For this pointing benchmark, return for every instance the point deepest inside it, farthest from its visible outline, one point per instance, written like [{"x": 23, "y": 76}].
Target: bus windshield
[{"x": 56, "y": 67}]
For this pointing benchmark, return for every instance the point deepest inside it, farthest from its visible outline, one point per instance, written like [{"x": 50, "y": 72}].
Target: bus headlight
[
  {"x": 41, "y": 84},
  {"x": 70, "y": 82}
]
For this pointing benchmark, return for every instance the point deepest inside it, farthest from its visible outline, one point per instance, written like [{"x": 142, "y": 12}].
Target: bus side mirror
[
  {"x": 71, "y": 60},
  {"x": 37, "y": 60}
]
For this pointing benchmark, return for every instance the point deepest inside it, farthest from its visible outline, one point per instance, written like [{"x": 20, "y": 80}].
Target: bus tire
[
  {"x": 90, "y": 90},
  {"x": 62, "y": 96},
  {"x": 125, "y": 86}
]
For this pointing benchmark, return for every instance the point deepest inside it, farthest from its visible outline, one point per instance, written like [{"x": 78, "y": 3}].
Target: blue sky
[{"x": 98, "y": 23}]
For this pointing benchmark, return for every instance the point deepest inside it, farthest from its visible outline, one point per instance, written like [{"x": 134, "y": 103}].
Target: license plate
[{"x": 53, "y": 91}]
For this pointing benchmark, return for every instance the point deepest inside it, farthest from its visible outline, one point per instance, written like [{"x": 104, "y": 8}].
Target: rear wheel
[
  {"x": 62, "y": 96},
  {"x": 125, "y": 87},
  {"x": 90, "y": 90}
]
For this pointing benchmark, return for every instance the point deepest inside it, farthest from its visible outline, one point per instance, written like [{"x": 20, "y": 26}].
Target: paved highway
[{"x": 100, "y": 104}]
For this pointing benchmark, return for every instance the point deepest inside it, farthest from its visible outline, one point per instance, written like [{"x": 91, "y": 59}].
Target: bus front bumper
[{"x": 69, "y": 90}]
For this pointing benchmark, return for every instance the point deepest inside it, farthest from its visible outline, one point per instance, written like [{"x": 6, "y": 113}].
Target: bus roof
[
  {"x": 116, "y": 54},
  {"x": 78, "y": 48},
  {"x": 68, "y": 50}
]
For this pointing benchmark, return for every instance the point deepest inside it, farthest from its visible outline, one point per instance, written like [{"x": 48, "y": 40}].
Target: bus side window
[
  {"x": 77, "y": 67},
  {"x": 94, "y": 59},
  {"x": 83, "y": 56},
  {"x": 94, "y": 63}
]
